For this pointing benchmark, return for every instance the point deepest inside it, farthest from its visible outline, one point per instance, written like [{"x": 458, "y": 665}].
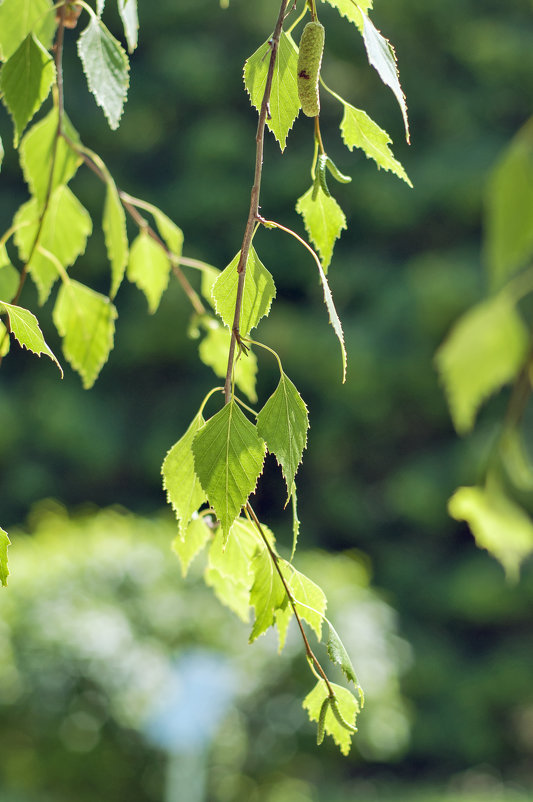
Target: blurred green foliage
[{"x": 382, "y": 457}]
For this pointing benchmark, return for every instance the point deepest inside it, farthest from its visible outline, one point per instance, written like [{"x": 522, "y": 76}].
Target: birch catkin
[{"x": 309, "y": 61}]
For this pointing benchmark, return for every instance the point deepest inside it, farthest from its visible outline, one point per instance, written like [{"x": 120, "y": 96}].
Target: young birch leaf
[
  {"x": 339, "y": 656},
  {"x": 233, "y": 557},
  {"x": 228, "y": 458},
  {"x": 183, "y": 488},
  {"x": 310, "y": 602},
  {"x": 191, "y": 543},
  {"x": 351, "y": 10},
  {"x": 25, "y": 81},
  {"x": 4, "y": 570},
  {"x": 86, "y": 321},
  {"x": 498, "y": 524},
  {"x": 284, "y": 101},
  {"x": 115, "y": 234},
  {"x": 65, "y": 229},
  {"x": 382, "y": 57},
  {"x": 267, "y": 595},
  {"x": 170, "y": 232},
  {"x": 149, "y": 268},
  {"x": 106, "y": 67},
  {"x": 100, "y": 7},
  {"x": 485, "y": 349},
  {"x": 360, "y": 131},
  {"x": 324, "y": 220},
  {"x": 36, "y": 150},
  {"x": 259, "y": 292},
  {"x": 9, "y": 277},
  {"x": 18, "y": 18},
  {"x": 209, "y": 276},
  {"x": 283, "y": 423},
  {"x": 346, "y": 705},
  {"x": 233, "y": 595},
  {"x": 5, "y": 341},
  {"x": 509, "y": 209},
  {"x": 295, "y": 520},
  {"x": 130, "y": 20},
  {"x": 25, "y": 329},
  {"x": 213, "y": 351}
]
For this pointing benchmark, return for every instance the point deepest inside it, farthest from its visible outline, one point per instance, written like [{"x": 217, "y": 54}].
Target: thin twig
[{"x": 254, "y": 199}]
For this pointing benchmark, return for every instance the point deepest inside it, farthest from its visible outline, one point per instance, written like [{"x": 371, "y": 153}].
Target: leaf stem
[{"x": 253, "y": 214}]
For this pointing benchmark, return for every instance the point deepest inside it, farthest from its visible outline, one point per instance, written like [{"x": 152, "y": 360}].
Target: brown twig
[{"x": 254, "y": 198}]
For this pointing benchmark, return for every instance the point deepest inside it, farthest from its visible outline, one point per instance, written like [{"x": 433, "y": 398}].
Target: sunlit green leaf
[
  {"x": 66, "y": 226},
  {"x": 25, "y": 329},
  {"x": 170, "y": 232},
  {"x": 5, "y": 341},
  {"x": 25, "y": 82},
  {"x": 324, "y": 220},
  {"x": 4, "y": 570},
  {"x": 284, "y": 102},
  {"x": 485, "y": 349},
  {"x": 37, "y": 149},
  {"x": 360, "y": 131},
  {"x": 310, "y": 602},
  {"x": 18, "y": 18},
  {"x": 149, "y": 268},
  {"x": 497, "y": 523},
  {"x": 259, "y": 292},
  {"x": 348, "y": 709},
  {"x": 382, "y": 57},
  {"x": 106, "y": 67},
  {"x": 86, "y": 321},
  {"x": 130, "y": 20},
  {"x": 116, "y": 238},
  {"x": 184, "y": 491},
  {"x": 515, "y": 459},
  {"x": 233, "y": 557},
  {"x": 191, "y": 542},
  {"x": 233, "y": 595},
  {"x": 509, "y": 209},
  {"x": 9, "y": 277},
  {"x": 213, "y": 351},
  {"x": 351, "y": 10},
  {"x": 267, "y": 594},
  {"x": 338, "y": 655},
  {"x": 283, "y": 423},
  {"x": 228, "y": 458},
  {"x": 209, "y": 276}
]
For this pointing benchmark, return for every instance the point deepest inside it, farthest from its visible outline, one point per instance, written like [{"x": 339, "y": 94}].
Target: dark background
[{"x": 382, "y": 458}]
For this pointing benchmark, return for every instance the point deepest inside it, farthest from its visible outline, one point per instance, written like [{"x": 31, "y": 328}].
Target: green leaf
[
  {"x": 382, "y": 57},
  {"x": 106, "y": 67},
  {"x": 25, "y": 329},
  {"x": 509, "y": 209},
  {"x": 351, "y": 10},
  {"x": 170, "y": 232},
  {"x": 233, "y": 595},
  {"x": 100, "y": 7},
  {"x": 9, "y": 277},
  {"x": 213, "y": 351},
  {"x": 515, "y": 459},
  {"x": 310, "y": 602},
  {"x": 18, "y": 18},
  {"x": 66, "y": 226},
  {"x": 149, "y": 268},
  {"x": 295, "y": 520},
  {"x": 36, "y": 155},
  {"x": 130, "y": 20},
  {"x": 498, "y": 524},
  {"x": 324, "y": 220},
  {"x": 339, "y": 656},
  {"x": 347, "y": 706},
  {"x": 116, "y": 238},
  {"x": 5, "y": 341},
  {"x": 267, "y": 595},
  {"x": 228, "y": 458},
  {"x": 183, "y": 488},
  {"x": 4, "y": 571},
  {"x": 86, "y": 321},
  {"x": 259, "y": 292},
  {"x": 233, "y": 557},
  {"x": 283, "y": 423},
  {"x": 193, "y": 540},
  {"x": 209, "y": 276},
  {"x": 284, "y": 102},
  {"x": 25, "y": 81},
  {"x": 360, "y": 131},
  {"x": 485, "y": 349}
]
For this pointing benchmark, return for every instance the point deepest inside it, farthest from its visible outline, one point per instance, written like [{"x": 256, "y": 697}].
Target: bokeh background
[{"x": 99, "y": 634}]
